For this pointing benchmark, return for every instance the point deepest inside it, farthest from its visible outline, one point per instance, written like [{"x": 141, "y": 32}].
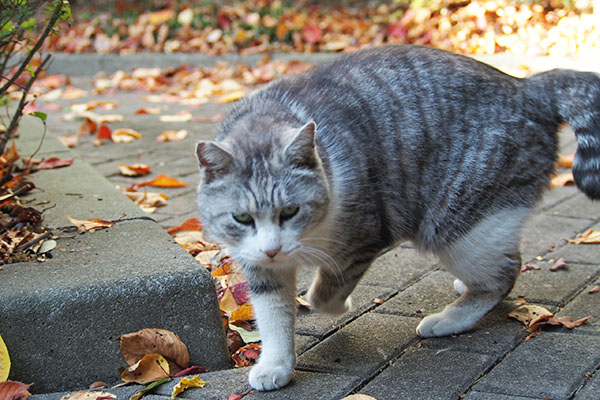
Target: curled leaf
[
  {"x": 247, "y": 355},
  {"x": 134, "y": 169},
  {"x": 11, "y": 390},
  {"x": 530, "y": 314},
  {"x": 125, "y": 135},
  {"x": 164, "y": 181},
  {"x": 150, "y": 368},
  {"x": 138, "y": 344},
  {"x": 172, "y": 136},
  {"x": 590, "y": 236},
  {"x": 90, "y": 224},
  {"x": 55, "y": 162},
  {"x": 186, "y": 383}
]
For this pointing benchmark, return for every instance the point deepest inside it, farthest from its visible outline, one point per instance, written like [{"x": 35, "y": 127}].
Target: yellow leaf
[
  {"x": 232, "y": 96},
  {"x": 590, "y": 236},
  {"x": 4, "y": 361},
  {"x": 150, "y": 368},
  {"x": 186, "y": 383},
  {"x": 228, "y": 303},
  {"x": 245, "y": 312}
]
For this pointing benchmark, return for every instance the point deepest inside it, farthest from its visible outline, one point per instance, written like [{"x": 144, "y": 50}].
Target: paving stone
[
  {"x": 547, "y": 287},
  {"x": 428, "y": 375},
  {"x": 584, "y": 253},
  {"x": 317, "y": 324},
  {"x": 552, "y": 365},
  {"x": 362, "y": 347},
  {"x": 494, "y": 396},
  {"x": 591, "y": 389},
  {"x": 304, "y": 342},
  {"x": 495, "y": 334},
  {"x": 554, "y": 196},
  {"x": 304, "y": 385},
  {"x": 73, "y": 306},
  {"x": 585, "y": 304},
  {"x": 578, "y": 206},
  {"x": 542, "y": 232},
  {"x": 429, "y": 295}
]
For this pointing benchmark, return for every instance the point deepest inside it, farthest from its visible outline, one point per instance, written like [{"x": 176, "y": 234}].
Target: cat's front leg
[{"x": 273, "y": 297}]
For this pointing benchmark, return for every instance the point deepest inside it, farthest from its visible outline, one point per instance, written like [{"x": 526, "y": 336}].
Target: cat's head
[{"x": 261, "y": 192}]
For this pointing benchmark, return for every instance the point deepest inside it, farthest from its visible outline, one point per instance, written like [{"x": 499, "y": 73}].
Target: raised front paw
[{"x": 269, "y": 377}]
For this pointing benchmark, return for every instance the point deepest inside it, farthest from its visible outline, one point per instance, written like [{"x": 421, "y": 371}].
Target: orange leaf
[
  {"x": 565, "y": 161},
  {"x": 191, "y": 224},
  {"x": 104, "y": 132},
  {"x": 134, "y": 169},
  {"x": 164, "y": 181},
  {"x": 87, "y": 128},
  {"x": 561, "y": 180},
  {"x": 590, "y": 236},
  {"x": 11, "y": 390}
]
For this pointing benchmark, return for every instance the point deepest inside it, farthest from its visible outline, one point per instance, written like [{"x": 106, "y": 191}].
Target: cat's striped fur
[{"x": 335, "y": 166}]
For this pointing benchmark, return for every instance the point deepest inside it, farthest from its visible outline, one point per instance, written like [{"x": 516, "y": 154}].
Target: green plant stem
[{"x": 55, "y": 16}]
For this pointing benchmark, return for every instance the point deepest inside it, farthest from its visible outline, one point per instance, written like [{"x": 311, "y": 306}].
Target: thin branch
[
  {"x": 55, "y": 16},
  {"x": 18, "y": 113}
]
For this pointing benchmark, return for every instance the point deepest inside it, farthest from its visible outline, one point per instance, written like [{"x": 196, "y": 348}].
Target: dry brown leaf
[
  {"x": 11, "y": 390},
  {"x": 590, "y": 236},
  {"x": 530, "y": 314},
  {"x": 89, "y": 395},
  {"x": 136, "y": 345},
  {"x": 151, "y": 368},
  {"x": 90, "y": 224}
]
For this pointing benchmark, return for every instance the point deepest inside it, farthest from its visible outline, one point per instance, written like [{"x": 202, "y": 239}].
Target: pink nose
[{"x": 272, "y": 253}]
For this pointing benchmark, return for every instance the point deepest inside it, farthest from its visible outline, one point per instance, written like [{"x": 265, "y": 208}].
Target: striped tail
[{"x": 575, "y": 99}]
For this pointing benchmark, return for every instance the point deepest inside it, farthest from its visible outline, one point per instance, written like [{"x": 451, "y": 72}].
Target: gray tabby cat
[{"x": 335, "y": 166}]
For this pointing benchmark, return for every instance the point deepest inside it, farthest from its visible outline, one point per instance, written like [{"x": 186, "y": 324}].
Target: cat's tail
[{"x": 574, "y": 98}]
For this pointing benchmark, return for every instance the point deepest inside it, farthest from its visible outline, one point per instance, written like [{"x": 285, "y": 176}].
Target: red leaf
[
  {"x": 104, "y": 132},
  {"x": 311, "y": 33},
  {"x": 191, "y": 224},
  {"x": 195, "y": 369},
  {"x": 55, "y": 162}
]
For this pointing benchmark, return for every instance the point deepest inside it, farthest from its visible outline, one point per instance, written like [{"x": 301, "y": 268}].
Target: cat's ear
[
  {"x": 214, "y": 160},
  {"x": 301, "y": 149}
]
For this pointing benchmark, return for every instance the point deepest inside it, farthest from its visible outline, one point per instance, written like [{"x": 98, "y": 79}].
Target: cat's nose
[{"x": 273, "y": 252}]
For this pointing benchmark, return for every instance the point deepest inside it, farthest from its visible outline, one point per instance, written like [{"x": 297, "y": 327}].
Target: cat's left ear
[{"x": 301, "y": 149}]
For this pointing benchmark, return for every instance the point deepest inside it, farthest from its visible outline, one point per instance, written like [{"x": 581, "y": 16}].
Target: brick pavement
[{"x": 373, "y": 349}]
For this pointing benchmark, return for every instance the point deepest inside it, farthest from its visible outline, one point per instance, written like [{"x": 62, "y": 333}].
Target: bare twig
[
  {"x": 55, "y": 16},
  {"x": 19, "y": 112},
  {"x": 21, "y": 190},
  {"x": 33, "y": 241}
]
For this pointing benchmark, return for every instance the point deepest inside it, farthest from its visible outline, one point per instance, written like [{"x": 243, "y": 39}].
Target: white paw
[
  {"x": 459, "y": 286},
  {"x": 331, "y": 306},
  {"x": 269, "y": 377},
  {"x": 441, "y": 324}
]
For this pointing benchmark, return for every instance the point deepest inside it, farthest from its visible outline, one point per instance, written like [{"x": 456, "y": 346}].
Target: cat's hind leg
[{"x": 486, "y": 262}]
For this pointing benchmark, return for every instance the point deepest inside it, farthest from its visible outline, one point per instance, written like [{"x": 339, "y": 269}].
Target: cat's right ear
[{"x": 214, "y": 160}]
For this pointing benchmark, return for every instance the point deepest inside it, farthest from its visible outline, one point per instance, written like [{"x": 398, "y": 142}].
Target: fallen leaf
[
  {"x": 125, "y": 135},
  {"x": 140, "y": 393},
  {"x": 530, "y": 314},
  {"x": 148, "y": 110},
  {"x": 213, "y": 119},
  {"x": 91, "y": 224},
  {"x": 246, "y": 335},
  {"x": 152, "y": 367},
  {"x": 172, "y": 136},
  {"x": 231, "y": 97},
  {"x": 595, "y": 289},
  {"x": 245, "y": 312},
  {"x": 191, "y": 224},
  {"x": 559, "y": 264},
  {"x": 69, "y": 141},
  {"x": 138, "y": 344},
  {"x": 565, "y": 161},
  {"x": 163, "y": 181},
  {"x": 311, "y": 33},
  {"x": 186, "y": 383},
  {"x": 358, "y": 396},
  {"x": 10, "y": 155},
  {"x": 4, "y": 361},
  {"x": 88, "y": 395},
  {"x": 148, "y": 201},
  {"x": 184, "y": 116},
  {"x": 567, "y": 321},
  {"x": 194, "y": 369},
  {"x": 228, "y": 303},
  {"x": 590, "y": 236},
  {"x": 55, "y": 162},
  {"x": 11, "y": 390},
  {"x": 134, "y": 169},
  {"x": 561, "y": 180},
  {"x": 528, "y": 266},
  {"x": 246, "y": 355}
]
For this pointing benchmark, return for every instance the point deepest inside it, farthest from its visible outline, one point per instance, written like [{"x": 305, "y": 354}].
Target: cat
[{"x": 335, "y": 166}]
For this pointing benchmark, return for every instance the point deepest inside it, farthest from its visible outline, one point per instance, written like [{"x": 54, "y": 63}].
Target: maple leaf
[{"x": 163, "y": 181}]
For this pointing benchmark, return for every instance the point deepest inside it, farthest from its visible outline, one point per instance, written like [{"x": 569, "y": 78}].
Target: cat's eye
[
  {"x": 288, "y": 212},
  {"x": 244, "y": 219}
]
